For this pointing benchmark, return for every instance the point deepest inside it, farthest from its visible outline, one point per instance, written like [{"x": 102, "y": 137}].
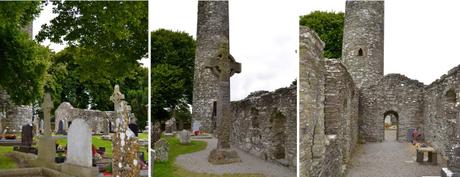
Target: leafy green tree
[
  {"x": 111, "y": 36},
  {"x": 66, "y": 86},
  {"x": 106, "y": 41},
  {"x": 329, "y": 27},
  {"x": 173, "y": 57},
  {"x": 23, "y": 62}
]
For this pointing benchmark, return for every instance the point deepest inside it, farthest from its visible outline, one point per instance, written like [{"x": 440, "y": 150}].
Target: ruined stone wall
[
  {"x": 328, "y": 110},
  {"x": 394, "y": 94},
  {"x": 264, "y": 124},
  {"x": 363, "y": 41},
  {"x": 341, "y": 108},
  {"x": 99, "y": 121},
  {"x": 16, "y": 116},
  {"x": 440, "y": 114},
  {"x": 311, "y": 102},
  {"x": 212, "y": 27}
]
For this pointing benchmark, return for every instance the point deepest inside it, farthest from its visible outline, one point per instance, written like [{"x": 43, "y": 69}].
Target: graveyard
[
  {"x": 80, "y": 152},
  {"x": 73, "y": 100}
]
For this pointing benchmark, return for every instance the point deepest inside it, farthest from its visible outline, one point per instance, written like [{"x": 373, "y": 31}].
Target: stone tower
[
  {"x": 363, "y": 33},
  {"x": 212, "y": 28}
]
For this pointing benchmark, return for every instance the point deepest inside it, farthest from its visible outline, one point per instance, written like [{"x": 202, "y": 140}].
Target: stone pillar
[
  {"x": 125, "y": 160},
  {"x": 212, "y": 28},
  {"x": 223, "y": 66}
]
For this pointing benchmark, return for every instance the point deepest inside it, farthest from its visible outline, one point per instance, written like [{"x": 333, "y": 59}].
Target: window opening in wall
[
  {"x": 214, "y": 115},
  {"x": 360, "y": 52}
]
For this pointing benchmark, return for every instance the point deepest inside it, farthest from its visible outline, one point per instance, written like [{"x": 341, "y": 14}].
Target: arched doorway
[{"x": 391, "y": 125}]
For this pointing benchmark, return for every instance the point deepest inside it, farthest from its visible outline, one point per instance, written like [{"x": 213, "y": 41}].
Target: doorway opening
[{"x": 391, "y": 126}]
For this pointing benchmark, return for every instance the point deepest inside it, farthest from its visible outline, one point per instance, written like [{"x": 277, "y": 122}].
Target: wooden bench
[{"x": 432, "y": 155}]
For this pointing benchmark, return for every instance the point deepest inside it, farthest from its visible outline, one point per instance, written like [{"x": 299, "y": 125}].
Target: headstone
[
  {"x": 42, "y": 124},
  {"x": 168, "y": 126},
  {"x": 26, "y": 135},
  {"x": 161, "y": 150},
  {"x": 79, "y": 144},
  {"x": 37, "y": 125},
  {"x": 125, "y": 161},
  {"x": 61, "y": 128},
  {"x": 173, "y": 124},
  {"x": 223, "y": 66},
  {"x": 134, "y": 128},
  {"x": 184, "y": 137},
  {"x": 156, "y": 132}
]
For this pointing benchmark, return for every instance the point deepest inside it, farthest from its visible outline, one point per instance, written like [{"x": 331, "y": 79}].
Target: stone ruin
[
  {"x": 13, "y": 117},
  {"x": 264, "y": 124},
  {"x": 253, "y": 118},
  {"x": 345, "y": 101},
  {"x": 101, "y": 122}
]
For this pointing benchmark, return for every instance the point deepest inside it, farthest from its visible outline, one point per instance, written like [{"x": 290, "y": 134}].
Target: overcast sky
[
  {"x": 45, "y": 17},
  {"x": 263, "y": 38},
  {"x": 421, "y": 36}
]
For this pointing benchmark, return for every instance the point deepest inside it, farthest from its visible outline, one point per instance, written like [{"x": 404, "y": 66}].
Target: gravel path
[
  {"x": 390, "y": 159},
  {"x": 198, "y": 162}
]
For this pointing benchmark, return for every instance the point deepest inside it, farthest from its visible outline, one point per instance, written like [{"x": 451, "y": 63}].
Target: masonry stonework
[
  {"x": 264, "y": 124},
  {"x": 212, "y": 28},
  {"x": 362, "y": 49}
]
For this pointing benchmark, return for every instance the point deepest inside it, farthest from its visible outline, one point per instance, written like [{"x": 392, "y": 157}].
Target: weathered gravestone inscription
[
  {"x": 184, "y": 137},
  {"x": 161, "y": 150}
]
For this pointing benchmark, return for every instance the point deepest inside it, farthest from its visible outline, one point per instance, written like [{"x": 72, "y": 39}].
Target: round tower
[
  {"x": 363, "y": 35},
  {"x": 212, "y": 28}
]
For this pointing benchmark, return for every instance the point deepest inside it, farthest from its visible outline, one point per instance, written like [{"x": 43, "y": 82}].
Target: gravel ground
[
  {"x": 198, "y": 162},
  {"x": 390, "y": 159}
]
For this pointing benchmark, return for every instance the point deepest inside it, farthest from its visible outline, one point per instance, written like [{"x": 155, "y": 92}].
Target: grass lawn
[
  {"x": 5, "y": 162},
  {"x": 169, "y": 169},
  {"x": 144, "y": 136},
  {"x": 98, "y": 142}
]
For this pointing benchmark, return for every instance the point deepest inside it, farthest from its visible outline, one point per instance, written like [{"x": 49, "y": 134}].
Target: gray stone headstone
[
  {"x": 184, "y": 137},
  {"x": 161, "y": 150},
  {"x": 27, "y": 135},
  {"x": 61, "y": 128},
  {"x": 79, "y": 144}
]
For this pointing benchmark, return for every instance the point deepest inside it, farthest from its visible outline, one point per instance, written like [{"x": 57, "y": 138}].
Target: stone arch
[
  {"x": 396, "y": 116},
  {"x": 278, "y": 134}
]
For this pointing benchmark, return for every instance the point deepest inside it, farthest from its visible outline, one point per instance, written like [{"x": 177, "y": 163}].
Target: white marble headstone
[{"x": 79, "y": 144}]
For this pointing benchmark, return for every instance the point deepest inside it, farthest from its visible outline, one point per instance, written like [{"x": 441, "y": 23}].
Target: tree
[
  {"x": 173, "y": 57},
  {"x": 66, "y": 86},
  {"x": 329, "y": 27},
  {"x": 111, "y": 36},
  {"x": 23, "y": 62}
]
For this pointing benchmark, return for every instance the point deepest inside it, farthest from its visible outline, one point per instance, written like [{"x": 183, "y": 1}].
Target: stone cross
[
  {"x": 117, "y": 98},
  {"x": 47, "y": 105},
  {"x": 125, "y": 146},
  {"x": 223, "y": 67}
]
